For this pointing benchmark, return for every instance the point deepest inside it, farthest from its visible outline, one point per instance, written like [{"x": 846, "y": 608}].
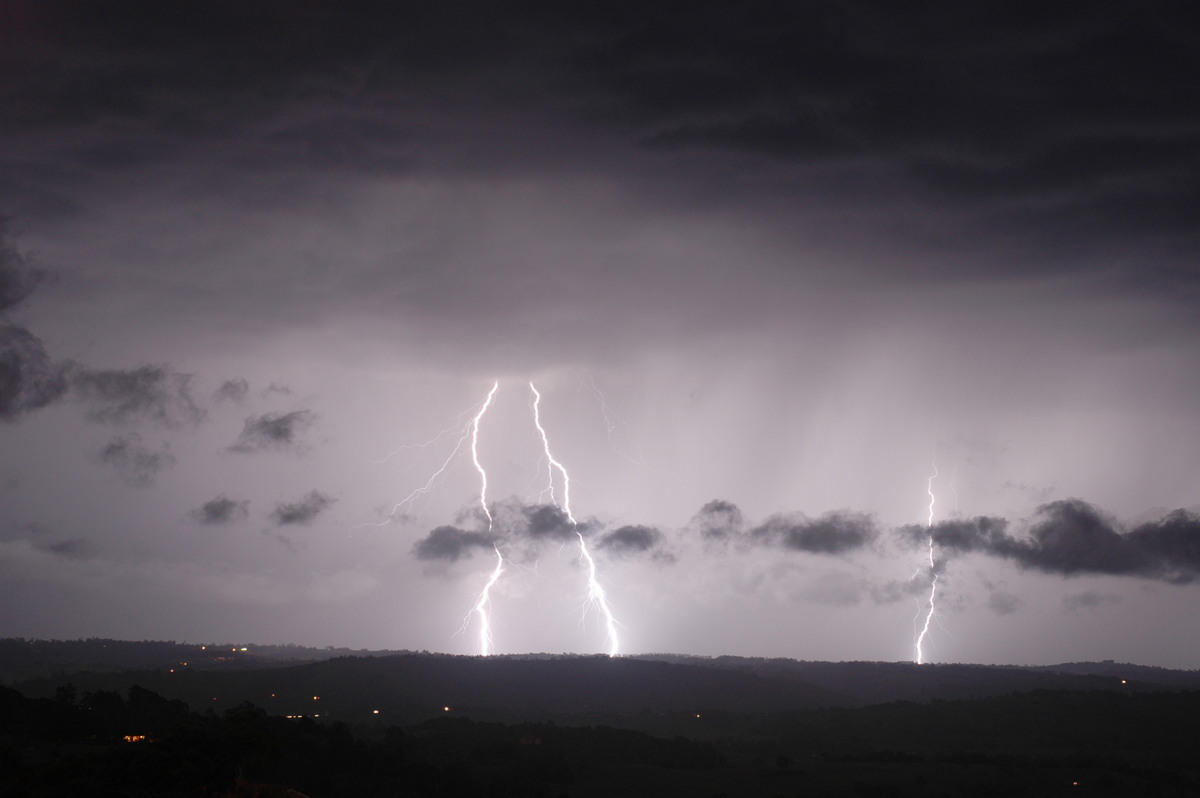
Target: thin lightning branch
[
  {"x": 457, "y": 427},
  {"x": 464, "y": 431},
  {"x": 596, "y": 595},
  {"x": 611, "y": 423},
  {"x": 932, "y": 571}
]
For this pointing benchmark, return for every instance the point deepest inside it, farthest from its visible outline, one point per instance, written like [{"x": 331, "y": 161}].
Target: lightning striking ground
[
  {"x": 483, "y": 608},
  {"x": 932, "y": 573},
  {"x": 596, "y": 594}
]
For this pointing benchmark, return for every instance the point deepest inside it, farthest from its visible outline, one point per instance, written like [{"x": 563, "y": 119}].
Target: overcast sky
[{"x": 769, "y": 265}]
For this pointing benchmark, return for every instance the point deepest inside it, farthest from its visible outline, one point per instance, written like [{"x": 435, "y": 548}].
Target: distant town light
[
  {"x": 374, "y": 711},
  {"x": 135, "y": 738},
  {"x": 445, "y": 709}
]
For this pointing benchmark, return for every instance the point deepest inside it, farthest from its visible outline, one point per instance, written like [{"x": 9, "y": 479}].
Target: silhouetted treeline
[{"x": 103, "y": 743}]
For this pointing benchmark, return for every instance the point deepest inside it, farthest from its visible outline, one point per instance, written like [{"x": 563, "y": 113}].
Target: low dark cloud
[
  {"x": 718, "y": 520},
  {"x": 1088, "y": 600},
  {"x": 513, "y": 520},
  {"x": 29, "y": 379},
  {"x": 301, "y": 512},
  {"x": 74, "y": 549},
  {"x": 515, "y": 526},
  {"x": 17, "y": 277},
  {"x": 631, "y": 539},
  {"x": 451, "y": 543},
  {"x": 1072, "y": 537},
  {"x": 151, "y": 394},
  {"x": 548, "y": 522},
  {"x": 233, "y": 390},
  {"x": 1002, "y": 602},
  {"x": 137, "y": 465},
  {"x": 221, "y": 510},
  {"x": 274, "y": 432},
  {"x": 833, "y": 533}
]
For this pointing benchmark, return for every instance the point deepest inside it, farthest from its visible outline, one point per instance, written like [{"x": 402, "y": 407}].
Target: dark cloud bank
[
  {"x": 221, "y": 510},
  {"x": 302, "y": 512},
  {"x": 135, "y": 463},
  {"x": 274, "y": 432},
  {"x": 1071, "y": 537},
  {"x": 1068, "y": 537},
  {"x": 28, "y": 378},
  {"x": 1065, "y": 120}
]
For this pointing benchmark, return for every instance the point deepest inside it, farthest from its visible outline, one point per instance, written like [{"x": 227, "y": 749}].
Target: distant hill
[
  {"x": 860, "y": 683},
  {"x": 23, "y": 659},
  {"x": 415, "y": 686},
  {"x": 201, "y": 716}
]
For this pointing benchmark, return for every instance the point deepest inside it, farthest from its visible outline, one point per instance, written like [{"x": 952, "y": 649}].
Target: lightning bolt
[
  {"x": 932, "y": 572},
  {"x": 596, "y": 595},
  {"x": 475, "y": 452},
  {"x": 483, "y": 605},
  {"x": 483, "y": 608}
]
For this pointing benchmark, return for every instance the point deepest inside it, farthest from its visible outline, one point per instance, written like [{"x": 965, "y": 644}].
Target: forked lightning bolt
[
  {"x": 483, "y": 608},
  {"x": 596, "y": 595},
  {"x": 932, "y": 572}
]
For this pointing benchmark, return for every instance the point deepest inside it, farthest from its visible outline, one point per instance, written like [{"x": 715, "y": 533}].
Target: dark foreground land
[{"x": 110, "y": 718}]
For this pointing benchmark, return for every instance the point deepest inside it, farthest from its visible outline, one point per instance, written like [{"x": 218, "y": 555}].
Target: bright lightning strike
[
  {"x": 596, "y": 595},
  {"x": 483, "y": 608},
  {"x": 932, "y": 572},
  {"x": 475, "y": 452}
]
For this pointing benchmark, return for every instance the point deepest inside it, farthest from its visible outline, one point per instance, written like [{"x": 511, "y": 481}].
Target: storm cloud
[
  {"x": 302, "y": 512},
  {"x": 151, "y": 394},
  {"x": 632, "y": 539},
  {"x": 29, "y": 379},
  {"x": 135, "y": 463},
  {"x": 17, "y": 277},
  {"x": 451, "y": 543},
  {"x": 232, "y": 390},
  {"x": 718, "y": 520},
  {"x": 221, "y": 510},
  {"x": 1072, "y": 537},
  {"x": 833, "y": 533},
  {"x": 274, "y": 432}
]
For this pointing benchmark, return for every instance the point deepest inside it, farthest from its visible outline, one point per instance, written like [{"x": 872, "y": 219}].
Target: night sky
[{"x": 770, "y": 266}]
